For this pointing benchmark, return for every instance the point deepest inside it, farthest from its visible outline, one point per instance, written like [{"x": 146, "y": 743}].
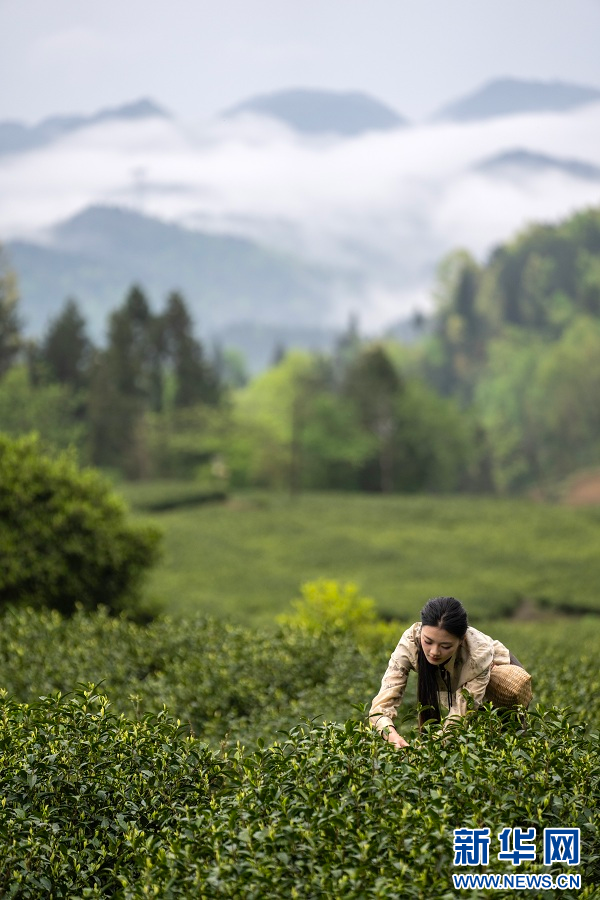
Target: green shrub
[
  {"x": 333, "y": 811},
  {"x": 132, "y": 806},
  {"x": 79, "y": 785},
  {"x": 326, "y": 606},
  {"x": 243, "y": 683},
  {"x": 222, "y": 679},
  {"x": 96, "y": 806},
  {"x": 64, "y": 537}
]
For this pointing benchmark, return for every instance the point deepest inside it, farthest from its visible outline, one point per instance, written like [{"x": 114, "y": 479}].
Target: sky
[{"x": 198, "y": 57}]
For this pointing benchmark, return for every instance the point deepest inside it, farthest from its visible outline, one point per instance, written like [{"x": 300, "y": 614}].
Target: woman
[{"x": 448, "y": 656}]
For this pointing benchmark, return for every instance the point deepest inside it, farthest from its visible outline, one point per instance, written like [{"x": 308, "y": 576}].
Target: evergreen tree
[
  {"x": 66, "y": 350},
  {"x": 374, "y": 384},
  {"x": 134, "y": 351},
  {"x": 346, "y": 351},
  {"x": 126, "y": 381},
  {"x": 195, "y": 379},
  {"x": 229, "y": 366},
  {"x": 10, "y": 324},
  {"x": 278, "y": 354},
  {"x": 114, "y": 420},
  {"x": 152, "y": 365},
  {"x": 459, "y": 328}
]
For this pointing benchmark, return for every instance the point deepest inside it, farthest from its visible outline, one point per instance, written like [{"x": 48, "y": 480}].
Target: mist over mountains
[
  {"x": 290, "y": 211},
  {"x": 101, "y": 251},
  {"x": 520, "y": 163}
]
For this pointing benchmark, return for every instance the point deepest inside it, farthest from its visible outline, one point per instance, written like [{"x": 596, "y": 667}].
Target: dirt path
[{"x": 583, "y": 490}]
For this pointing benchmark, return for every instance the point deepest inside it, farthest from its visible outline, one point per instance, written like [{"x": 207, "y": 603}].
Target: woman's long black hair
[{"x": 449, "y": 614}]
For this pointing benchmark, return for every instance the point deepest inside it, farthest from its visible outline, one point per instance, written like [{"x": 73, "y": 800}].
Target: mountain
[
  {"x": 16, "y": 137},
  {"x": 524, "y": 162},
  {"x": 97, "y": 255},
  {"x": 287, "y": 230},
  {"x": 347, "y": 113},
  {"x": 511, "y": 96}
]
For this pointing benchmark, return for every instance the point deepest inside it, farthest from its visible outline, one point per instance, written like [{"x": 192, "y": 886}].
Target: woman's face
[{"x": 438, "y": 644}]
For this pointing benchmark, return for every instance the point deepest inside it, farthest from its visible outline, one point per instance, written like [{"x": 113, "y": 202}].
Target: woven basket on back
[{"x": 509, "y": 686}]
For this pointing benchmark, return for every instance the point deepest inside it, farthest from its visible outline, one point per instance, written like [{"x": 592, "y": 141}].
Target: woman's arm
[{"x": 385, "y": 705}]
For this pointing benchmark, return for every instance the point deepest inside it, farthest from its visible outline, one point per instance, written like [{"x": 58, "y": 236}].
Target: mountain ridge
[
  {"x": 321, "y": 111},
  {"x": 16, "y": 137},
  {"x": 96, "y": 255},
  {"x": 331, "y": 226},
  {"x": 514, "y": 96},
  {"x": 527, "y": 162},
  {"x": 311, "y": 111}
]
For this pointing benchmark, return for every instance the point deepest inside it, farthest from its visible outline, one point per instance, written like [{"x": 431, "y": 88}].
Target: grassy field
[{"x": 247, "y": 558}]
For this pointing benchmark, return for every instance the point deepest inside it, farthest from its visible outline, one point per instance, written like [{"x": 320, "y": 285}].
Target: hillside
[
  {"x": 248, "y": 557},
  {"x": 97, "y": 255}
]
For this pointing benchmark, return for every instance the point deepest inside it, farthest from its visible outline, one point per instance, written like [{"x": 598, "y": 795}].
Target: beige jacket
[{"x": 469, "y": 668}]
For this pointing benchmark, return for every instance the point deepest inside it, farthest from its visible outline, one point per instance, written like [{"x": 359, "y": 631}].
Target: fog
[{"x": 386, "y": 205}]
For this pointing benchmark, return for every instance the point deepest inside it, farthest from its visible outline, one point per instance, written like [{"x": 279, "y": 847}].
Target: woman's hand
[{"x": 396, "y": 739}]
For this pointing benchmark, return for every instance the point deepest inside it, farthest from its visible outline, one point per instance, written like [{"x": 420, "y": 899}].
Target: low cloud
[{"x": 385, "y": 206}]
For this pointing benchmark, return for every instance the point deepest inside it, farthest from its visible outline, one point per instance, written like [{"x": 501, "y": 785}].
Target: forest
[{"x": 498, "y": 394}]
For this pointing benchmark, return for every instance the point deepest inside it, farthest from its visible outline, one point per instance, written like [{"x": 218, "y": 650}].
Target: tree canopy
[{"x": 64, "y": 536}]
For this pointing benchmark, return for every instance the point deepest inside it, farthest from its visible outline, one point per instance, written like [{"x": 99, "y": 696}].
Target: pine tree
[
  {"x": 126, "y": 381},
  {"x": 134, "y": 351},
  {"x": 66, "y": 350},
  {"x": 374, "y": 385},
  {"x": 11, "y": 341},
  {"x": 195, "y": 379}
]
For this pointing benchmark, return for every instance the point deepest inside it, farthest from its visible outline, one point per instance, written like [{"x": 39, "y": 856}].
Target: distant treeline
[
  {"x": 501, "y": 392},
  {"x": 517, "y": 341}
]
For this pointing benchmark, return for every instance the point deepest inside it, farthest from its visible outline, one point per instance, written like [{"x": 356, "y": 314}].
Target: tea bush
[
  {"x": 162, "y": 494},
  {"x": 242, "y": 683},
  {"x": 79, "y": 784},
  {"x": 98, "y": 806},
  {"x": 278, "y": 788},
  {"x": 223, "y": 679},
  {"x": 335, "y": 812},
  {"x": 64, "y": 536}
]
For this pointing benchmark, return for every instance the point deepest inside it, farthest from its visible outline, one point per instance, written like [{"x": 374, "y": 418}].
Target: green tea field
[
  {"x": 107, "y": 795},
  {"x": 246, "y": 558}
]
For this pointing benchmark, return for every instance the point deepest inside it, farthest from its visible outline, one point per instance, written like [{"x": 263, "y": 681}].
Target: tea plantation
[
  {"x": 262, "y": 780},
  {"x": 245, "y": 558}
]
